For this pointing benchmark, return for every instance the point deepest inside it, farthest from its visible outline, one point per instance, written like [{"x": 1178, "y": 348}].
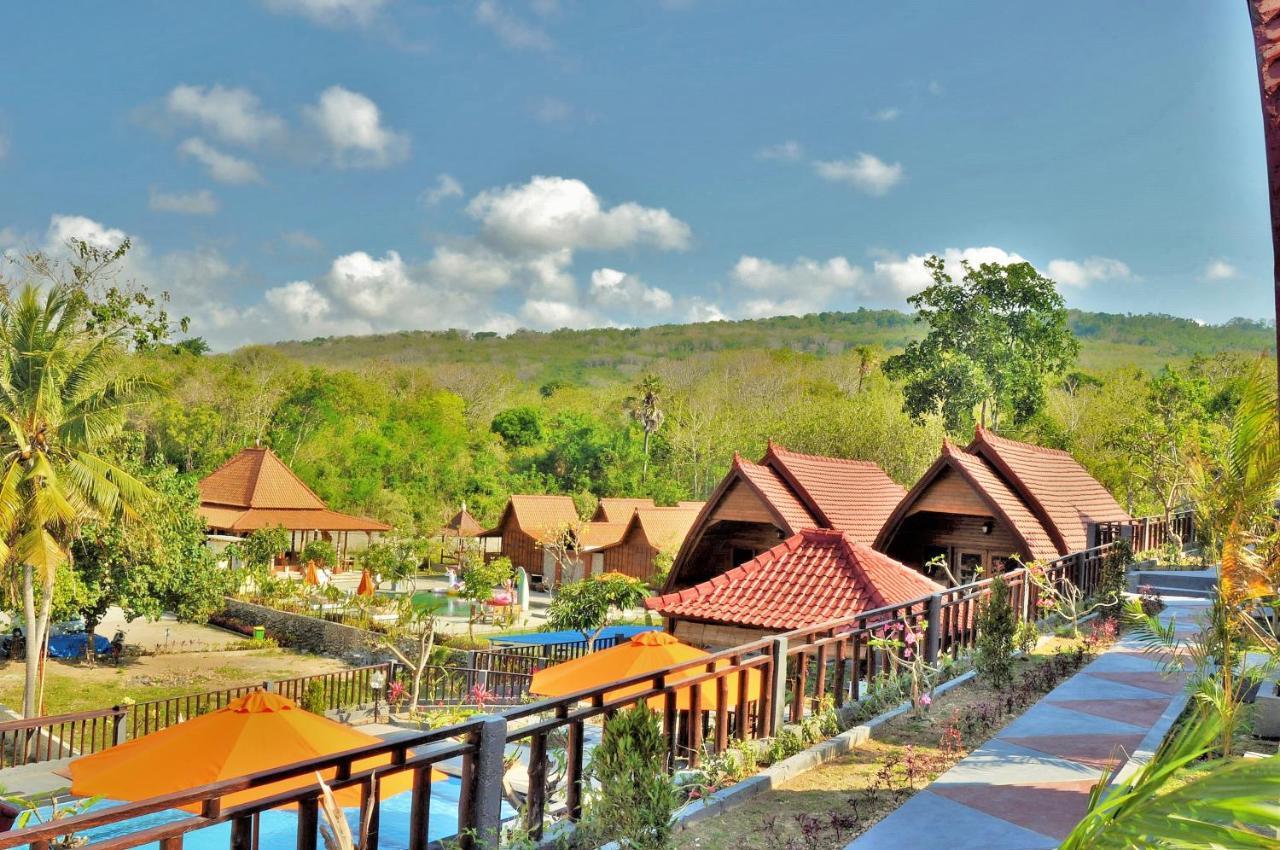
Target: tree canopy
[{"x": 994, "y": 340}]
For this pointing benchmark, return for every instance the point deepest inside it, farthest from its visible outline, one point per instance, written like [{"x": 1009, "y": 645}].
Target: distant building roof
[
  {"x": 619, "y": 510},
  {"x": 255, "y": 489},
  {"x": 538, "y": 515},
  {"x": 463, "y": 524},
  {"x": 811, "y": 577},
  {"x": 666, "y": 528},
  {"x": 600, "y": 535}
]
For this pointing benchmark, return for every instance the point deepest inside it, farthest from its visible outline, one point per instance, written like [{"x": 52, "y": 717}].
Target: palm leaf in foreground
[{"x": 1234, "y": 804}]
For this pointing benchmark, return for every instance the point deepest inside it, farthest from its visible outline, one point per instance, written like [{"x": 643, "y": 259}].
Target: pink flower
[
  {"x": 926, "y": 700},
  {"x": 906, "y": 653},
  {"x": 910, "y": 638}
]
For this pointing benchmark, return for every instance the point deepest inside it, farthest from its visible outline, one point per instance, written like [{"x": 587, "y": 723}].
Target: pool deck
[{"x": 1027, "y": 787}]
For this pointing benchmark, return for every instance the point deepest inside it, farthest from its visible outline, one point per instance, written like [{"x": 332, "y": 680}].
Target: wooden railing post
[
  {"x": 778, "y": 685},
  {"x": 933, "y": 620},
  {"x": 119, "y": 731}
]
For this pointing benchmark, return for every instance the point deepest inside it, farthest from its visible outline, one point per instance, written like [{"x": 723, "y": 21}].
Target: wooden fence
[
  {"x": 796, "y": 670},
  {"x": 1153, "y": 532}
]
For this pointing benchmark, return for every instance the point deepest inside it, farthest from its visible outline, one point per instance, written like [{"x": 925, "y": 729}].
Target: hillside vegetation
[{"x": 1108, "y": 340}]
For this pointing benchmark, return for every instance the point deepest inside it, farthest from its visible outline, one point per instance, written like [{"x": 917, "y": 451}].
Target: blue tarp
[
  {"x": 543, "y": 638},
  {"x": 72, "y": 646}
]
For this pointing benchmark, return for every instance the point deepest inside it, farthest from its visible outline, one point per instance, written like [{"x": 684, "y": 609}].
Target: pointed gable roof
[
  {"x": 538, "y": 515},
  {"x": 813, "y": 576},
  {"x": 856, "y": 496},
  {"x": 463, "y": 524},
  {"x": 255, "y": 489},
  {"x": 257, "y": 478},
  {"x": 1054, "y": 486},
  {"x": 619, "y": 510},
  {"x": 774, "y": 491},
  {"x": 666, "y": 528}
]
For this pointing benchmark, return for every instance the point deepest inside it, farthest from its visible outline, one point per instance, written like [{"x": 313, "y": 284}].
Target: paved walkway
[{"x": 1027, "y": 787}]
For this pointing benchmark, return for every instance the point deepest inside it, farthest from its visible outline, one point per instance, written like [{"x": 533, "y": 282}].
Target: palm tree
[
  {"x": 1236, "y": 497},
  {"x": 61, "y": 399},
  {"x": 1225, "y": 803},
  {"x": 644, "y": 409}
]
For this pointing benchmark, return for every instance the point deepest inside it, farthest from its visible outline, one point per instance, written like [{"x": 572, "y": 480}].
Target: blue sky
[{"x": 297, "y": 168}]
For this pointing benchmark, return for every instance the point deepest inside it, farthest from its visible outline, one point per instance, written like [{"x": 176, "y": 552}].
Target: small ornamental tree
[
  {"x": 412, "y": 640},
  {"x": 322, "y": 552},
  {"x": 636, "y": 799},
  {"x": 396, "y": 559},
  {"x": 480, "y": 578},
  {"x": 584, "y": 606},
  {"x": 997, "y": 625},
  {"x": 1113, "y": 582}
]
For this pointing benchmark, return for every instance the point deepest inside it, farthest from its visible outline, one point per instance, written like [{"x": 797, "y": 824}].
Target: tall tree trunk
[
  {"x": 644, "y": 469},
  {"x": 1264, "y": 16},
  {"x": 37, "y": 629}
]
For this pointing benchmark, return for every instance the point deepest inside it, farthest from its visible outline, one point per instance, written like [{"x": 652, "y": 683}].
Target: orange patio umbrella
[
  {"x": 312, "y": 575},
  {"x": 256, "y": 732},
  {"x": 366, "y": 587},
  {"x": 644, "y": 653}
]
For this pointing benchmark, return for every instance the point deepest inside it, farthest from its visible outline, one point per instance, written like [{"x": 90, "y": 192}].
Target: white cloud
[
  {"x": 1219, "y": 269},
  {"x": 896, "y": 278},
  {"x": 548, "y": 213},
  {"x": 1082, "y": 273},
  {"x": 613, "y": 288},
  {"x": 330, "y": 13},
  {"x": 889, "y": 113},
  {"x": 788, "y": 151},
  {"x": 865, "y": 172},
  {"x": 233, "y": 114},
  {"x": 352, "y": 125},
  {"x": 300, "y": 240},
  {"x": 446, "y": 187},
  {"x": 299, "y": 300},
  {"x": 511, "y": 30},
  {"x": 704, "y": 311},
  {"x": 222, "y": 166},
  {"x": 64, "y": 228},
  {"x": 804, "y": 286},
  {"x": 549, "y": 315},
  {"x": 550, "y": 110},
  {"x": 191, "y": 203},
  {"x": 368, "y": 286},
  {"x": 477, "y": 269}
]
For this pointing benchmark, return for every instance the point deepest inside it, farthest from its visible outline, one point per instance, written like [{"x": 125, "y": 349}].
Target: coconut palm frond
[
  {"x": 132, "y": 494},
  {"x": 41, "y": 550},
  {"x": 1232, "y": 804}
]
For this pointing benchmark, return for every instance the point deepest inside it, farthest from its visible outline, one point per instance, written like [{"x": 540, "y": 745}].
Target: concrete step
[
  {"x": 1185, "y": 592},
  {"x": 1186, "y": 580}
]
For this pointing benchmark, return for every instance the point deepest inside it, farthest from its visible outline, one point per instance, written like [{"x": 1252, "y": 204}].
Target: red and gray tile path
[{"x": 1028, "y": 786}]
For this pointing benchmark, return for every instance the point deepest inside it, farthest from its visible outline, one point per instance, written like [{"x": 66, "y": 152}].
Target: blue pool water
[{"x": 278, "y": 829}]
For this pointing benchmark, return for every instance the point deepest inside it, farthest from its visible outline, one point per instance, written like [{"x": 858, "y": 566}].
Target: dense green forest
[{"x": 407, "y": 426}]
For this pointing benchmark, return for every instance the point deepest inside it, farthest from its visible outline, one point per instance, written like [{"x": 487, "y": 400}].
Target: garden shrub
[
  {"x": 635, "y": 799},
  {"x": 1113, "y": 581},
  {"x": 1026, "y": 636},
  {"x": 997, "y": 624},
  {"x": 313, "y": 699}
]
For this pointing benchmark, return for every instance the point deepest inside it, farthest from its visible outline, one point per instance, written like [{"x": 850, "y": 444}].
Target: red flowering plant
[
  {"x": 903, "y": 647},
  {"x": 480, "y": 696},
  {"x": 395, "y": 694},
  {"x": 1059, "y": 595}
]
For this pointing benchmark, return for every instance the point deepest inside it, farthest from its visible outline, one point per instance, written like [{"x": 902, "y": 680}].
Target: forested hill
[{"x": 1109, "y": 340}]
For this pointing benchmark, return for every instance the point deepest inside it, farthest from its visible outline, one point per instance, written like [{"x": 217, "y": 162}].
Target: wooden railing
[
  {"x": 554, "y": 653},
  {"x": 1152, "y": 532},
  {"x": 60, "y": 736},
  {"x": 339, "y": 689},
  {"x": 470, "y": 686},
  {"x": 796, "y": 670}
]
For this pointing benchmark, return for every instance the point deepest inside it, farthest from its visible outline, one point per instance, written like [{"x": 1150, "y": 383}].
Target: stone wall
[{"x": 321, "y": 637}]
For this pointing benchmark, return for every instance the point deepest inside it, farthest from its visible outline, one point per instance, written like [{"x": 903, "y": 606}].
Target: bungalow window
[
  {"x": 741, "y": 556},
  {"x": 970, "y": 563}
]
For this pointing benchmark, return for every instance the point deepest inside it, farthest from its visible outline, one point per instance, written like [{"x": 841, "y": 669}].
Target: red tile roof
[
  {"x": 809, "y": 578},
  {"x": 257, "y": 478},
  {"x": 619, "y": 510},
  {"x": 852, "y": 495},
  {"x": 1054, "y": 485},
  {"x": 984, "y": 479},
  {"x": 666, "y": 528},
  {"x": 540, "y": 515},
  {"x": 255, "y": 489},
  {"x": 776, "y": 494},
  {"x": 601, "y": 535}
]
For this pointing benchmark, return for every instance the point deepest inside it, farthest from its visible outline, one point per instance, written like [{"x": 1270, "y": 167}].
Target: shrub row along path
[{"x": 1028, "y": 786}]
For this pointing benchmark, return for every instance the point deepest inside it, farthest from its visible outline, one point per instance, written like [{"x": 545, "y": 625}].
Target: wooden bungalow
[
  {"x": 255, "y": 489},
  {"x": 757, "y": 505},
  {"x": 527, "y": 521},
  {"x": 619, "y": 510},
  {"x": 813, "y": 576},
  {"x": 996, "y": 502},
  {"x": 650, "y": 532}
]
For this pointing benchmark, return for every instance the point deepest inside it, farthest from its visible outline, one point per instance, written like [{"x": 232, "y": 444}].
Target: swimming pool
[
  {"x": 444, "y": 605},
  {"x": 278, "y": 829}
]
